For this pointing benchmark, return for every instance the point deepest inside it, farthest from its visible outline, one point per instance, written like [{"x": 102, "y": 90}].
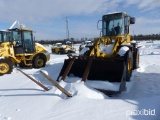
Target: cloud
[
  {"x": 144, "y": 4},
  {"x": 146, "y": 26},
  {"x": 38, "y": 10},
  {"x": 145, "y": 21}
]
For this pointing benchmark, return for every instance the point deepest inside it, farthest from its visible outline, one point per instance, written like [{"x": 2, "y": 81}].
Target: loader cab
[
  {"x": 116, "y": 24},
  {"x": 23, "y": 39}
]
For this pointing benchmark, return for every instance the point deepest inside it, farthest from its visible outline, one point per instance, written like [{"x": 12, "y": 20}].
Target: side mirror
[
  {"x": 99, "y": 28},
  {"x": 132, "y": 20}
]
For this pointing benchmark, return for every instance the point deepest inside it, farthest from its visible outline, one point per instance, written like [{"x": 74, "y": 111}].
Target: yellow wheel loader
[
  {"x": 85, "y": 44},
  {"x": 111, "y": 58},
  {"x": 18, "y": 47},
  {"x": 59, "y": 48}
]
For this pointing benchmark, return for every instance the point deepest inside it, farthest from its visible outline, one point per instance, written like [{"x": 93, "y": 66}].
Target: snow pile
[
  {"x": 78, "y": 88},
  {"x": 123, "y": 50},
  {"x": 83, "y": 51},
  {"x": 107, "y": 49},
  {"x": 104, "y": 85},
  {"x": 150, "y": 49},
  {"x": 154, "y": 53}
]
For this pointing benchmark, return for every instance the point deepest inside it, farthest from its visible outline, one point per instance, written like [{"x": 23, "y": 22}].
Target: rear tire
[
  {"x": 6, "y": 67},
  {"x": 129, "y": 65},
  {"x": 53, "y": 50},
  {"x": 136, "y": 59},
  {"x": 38, "y": 62},
  {"x": 122, "y": 86},
  {"x": 87, "y": 53}
]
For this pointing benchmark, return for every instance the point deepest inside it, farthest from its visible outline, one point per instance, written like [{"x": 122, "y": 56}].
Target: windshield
[
  {"x": 16, "y": 36},
  {"x": 113, "y": 24}
]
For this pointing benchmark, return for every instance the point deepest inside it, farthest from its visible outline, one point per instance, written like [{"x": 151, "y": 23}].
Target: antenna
[
  {"x": 17, "y": 22},
  {"x": 67, "y": 29}
]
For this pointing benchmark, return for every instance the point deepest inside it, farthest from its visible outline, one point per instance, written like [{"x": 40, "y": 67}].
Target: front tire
[
  {"x": 6, "y": 67},
  {"x": 129, "y": 65},
  {"x": 136, "y": 59}
]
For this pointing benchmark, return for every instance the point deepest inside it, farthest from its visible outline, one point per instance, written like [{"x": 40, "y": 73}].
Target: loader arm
[{"x": 107, "y": 42}]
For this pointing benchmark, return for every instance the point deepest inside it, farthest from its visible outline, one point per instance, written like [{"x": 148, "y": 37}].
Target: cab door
[{"x": 28, "y": 42}]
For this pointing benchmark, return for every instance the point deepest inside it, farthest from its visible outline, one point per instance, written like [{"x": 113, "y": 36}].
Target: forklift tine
[
  {"x": 68, "y": 68},
  {"x": 34, "y": 80},
  {"x": 86, "y": 73},
  {"x": 56, "y": 84}
]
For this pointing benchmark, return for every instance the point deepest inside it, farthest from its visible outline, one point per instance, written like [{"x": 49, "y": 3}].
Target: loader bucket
[{"x": 103, "y": 70}]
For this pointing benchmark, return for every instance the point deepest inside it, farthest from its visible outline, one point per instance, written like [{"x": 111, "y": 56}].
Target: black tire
[
  {"x": 129, "y": 65},
  {"x": 6, "y": 67},
  {"x": 70, "y": 51},
  {"x": 38, "y": 61},
  {"x": 123, "y": 81},
  {"x": 136, "y": 59},
  {"x": 53, "y": 50},
  {"x": 87, "y": 53}
]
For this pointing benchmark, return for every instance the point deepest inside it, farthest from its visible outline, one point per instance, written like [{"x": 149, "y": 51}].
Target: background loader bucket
[{"x": 104, "y": 70}]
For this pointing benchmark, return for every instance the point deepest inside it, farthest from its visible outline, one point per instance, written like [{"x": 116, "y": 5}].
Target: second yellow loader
[{"x": 17, "y": 47}]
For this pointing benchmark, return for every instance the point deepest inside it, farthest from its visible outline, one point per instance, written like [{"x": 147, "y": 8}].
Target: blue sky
[{"x": 47, "y": 17}]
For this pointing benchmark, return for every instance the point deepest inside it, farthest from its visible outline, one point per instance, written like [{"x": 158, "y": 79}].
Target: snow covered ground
[{"x": 22, "y": 99}]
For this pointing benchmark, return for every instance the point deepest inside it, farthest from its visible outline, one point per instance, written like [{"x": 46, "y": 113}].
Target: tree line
[
  {"x": 146, "y": 37},
  {"x": 76, "y": 41}
]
